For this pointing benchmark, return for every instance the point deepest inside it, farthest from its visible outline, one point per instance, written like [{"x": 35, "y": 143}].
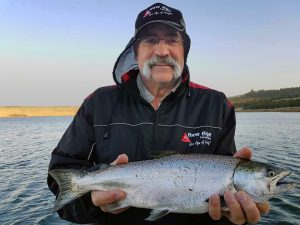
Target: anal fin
[
  {"x": 115, "y": 206},
  {"x": 157, "y": 213}
]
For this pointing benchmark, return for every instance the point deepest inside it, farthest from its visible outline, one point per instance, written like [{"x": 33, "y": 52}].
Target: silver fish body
[{"x": 176, "y": 183}]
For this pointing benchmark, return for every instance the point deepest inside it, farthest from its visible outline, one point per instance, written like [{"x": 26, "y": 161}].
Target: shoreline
[
  {"x": 42, "y": 111},
  {"x": 36, "y": 111},
  {"x": 285, "y": 109}
]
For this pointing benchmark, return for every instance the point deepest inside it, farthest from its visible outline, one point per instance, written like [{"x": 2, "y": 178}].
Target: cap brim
[{"x": 172, "y": 24}]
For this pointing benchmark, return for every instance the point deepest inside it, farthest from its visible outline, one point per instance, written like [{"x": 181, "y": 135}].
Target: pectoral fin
[
  {"x": 157, "y": 213},
  {"x": 224, "y": 207}
]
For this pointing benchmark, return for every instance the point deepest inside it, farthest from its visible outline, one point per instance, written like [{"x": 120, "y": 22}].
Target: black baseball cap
[{"x": 161, "y": 13}]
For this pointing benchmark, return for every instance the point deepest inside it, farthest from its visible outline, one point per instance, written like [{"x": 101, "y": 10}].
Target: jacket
[{"x": 116, "y": 119}]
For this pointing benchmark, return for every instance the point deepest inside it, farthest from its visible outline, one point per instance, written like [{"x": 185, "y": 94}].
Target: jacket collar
[
  {"x": 145, "y": 94},
  {"x": 129, "y": 83}
]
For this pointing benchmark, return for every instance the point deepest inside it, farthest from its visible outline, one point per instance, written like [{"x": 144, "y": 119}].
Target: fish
[{"x": 178, "y": 183}]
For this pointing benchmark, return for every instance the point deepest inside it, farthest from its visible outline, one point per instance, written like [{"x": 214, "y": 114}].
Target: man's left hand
[{"x": 241, "y": 207}]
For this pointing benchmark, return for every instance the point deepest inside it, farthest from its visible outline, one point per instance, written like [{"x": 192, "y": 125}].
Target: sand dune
[{"x": 29, "y": 111}]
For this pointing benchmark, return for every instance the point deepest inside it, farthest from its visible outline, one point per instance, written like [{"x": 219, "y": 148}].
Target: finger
[
  {"x": 263, "y": 208},
  {"x": 244, "y": 153},
  {"x": 249, "y": 207},
  {"x": 236, "y": 214},
  {"x": 214, "y": 207},
  {"x": 100, "y": 198},
  {"x": 121, "y": 159}
]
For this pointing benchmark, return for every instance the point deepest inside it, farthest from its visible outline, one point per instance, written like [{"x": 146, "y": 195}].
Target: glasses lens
[
  {"x": 173, "y": 41},
  {"x": 149, "y": 40}
]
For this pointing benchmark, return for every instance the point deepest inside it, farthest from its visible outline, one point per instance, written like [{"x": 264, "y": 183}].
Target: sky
[{"x": 56, "y": 52}]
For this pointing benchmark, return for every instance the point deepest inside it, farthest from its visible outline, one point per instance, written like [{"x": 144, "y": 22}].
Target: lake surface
[{"x": 26, "y": 144}]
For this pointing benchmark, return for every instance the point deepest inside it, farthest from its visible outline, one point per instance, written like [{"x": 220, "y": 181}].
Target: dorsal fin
[
  {"x": 160, "y": 154},
  {"x": 99, "y": 166}
]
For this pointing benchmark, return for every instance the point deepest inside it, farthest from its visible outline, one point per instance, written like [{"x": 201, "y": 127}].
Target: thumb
[
  {"x": 244, "y": 153},
  {"x": 121, "y": 159}
]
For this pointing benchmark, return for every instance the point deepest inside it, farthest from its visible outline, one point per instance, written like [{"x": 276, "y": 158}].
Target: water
[{"x": 26, "y": 144}]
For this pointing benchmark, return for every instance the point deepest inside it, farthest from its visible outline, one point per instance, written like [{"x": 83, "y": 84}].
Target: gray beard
[{"x": 155, "y": 60}]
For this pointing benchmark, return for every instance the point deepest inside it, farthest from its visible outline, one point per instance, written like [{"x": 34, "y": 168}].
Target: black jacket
[{"x": 115, "y": 120}]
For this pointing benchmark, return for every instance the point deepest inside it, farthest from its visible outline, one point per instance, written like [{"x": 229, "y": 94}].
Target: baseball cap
[
  {"x": 160, "y": 13},
  {"x": 156, "y": 13}
]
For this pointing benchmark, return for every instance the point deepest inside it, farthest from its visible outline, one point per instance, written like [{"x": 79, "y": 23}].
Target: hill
[{"x": 285, "y": 99}]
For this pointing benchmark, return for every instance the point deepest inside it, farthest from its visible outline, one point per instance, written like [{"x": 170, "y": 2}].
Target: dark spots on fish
[
  {"x": 190, "y": 189},
  {"x": 114, "y": 184}
]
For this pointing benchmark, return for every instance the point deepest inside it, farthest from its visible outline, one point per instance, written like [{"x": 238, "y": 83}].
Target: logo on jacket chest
[{"x": 197, "y": 138}]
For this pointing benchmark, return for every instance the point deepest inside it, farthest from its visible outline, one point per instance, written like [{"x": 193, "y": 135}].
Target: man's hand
[
  {"x": 242, "y": 208},
  {"x": 102, "y": 198}
]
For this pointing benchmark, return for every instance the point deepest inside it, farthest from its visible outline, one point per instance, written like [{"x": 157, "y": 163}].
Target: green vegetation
[{"x": 285, "y": 99}]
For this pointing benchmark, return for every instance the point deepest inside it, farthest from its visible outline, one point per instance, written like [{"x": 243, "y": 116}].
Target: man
[{"x": 154, "y": 107}]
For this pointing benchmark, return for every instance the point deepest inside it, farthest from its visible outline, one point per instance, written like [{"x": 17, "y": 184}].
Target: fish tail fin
[{"x": 69, "y": 189}]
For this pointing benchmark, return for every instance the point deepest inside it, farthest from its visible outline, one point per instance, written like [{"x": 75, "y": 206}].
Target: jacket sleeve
[
  {"x": 73, "y": 151},
  {"x": 226, "y": 145}
]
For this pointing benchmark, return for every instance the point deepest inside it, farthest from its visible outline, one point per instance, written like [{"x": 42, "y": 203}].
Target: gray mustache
[{"x": 156, "y": 60}]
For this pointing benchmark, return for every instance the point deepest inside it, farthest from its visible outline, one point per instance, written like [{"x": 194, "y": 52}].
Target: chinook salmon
[{"x": 177, "y": 183}]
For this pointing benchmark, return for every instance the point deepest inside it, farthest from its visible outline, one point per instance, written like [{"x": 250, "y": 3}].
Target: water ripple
[{"x": 26, "y": 145}]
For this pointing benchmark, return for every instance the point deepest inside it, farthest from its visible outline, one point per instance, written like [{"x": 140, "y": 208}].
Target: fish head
[{"x": 261, "y": 180}]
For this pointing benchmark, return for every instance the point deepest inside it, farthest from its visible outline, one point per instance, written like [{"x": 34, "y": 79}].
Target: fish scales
[
  {"x": 181, "y": 178},
  {"x": 177, "y": 183}
]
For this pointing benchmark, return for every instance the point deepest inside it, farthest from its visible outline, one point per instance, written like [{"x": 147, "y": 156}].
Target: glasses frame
[{"x": 155, "y": 40}]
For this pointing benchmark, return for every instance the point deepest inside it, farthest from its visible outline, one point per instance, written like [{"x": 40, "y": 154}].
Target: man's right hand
[{"x": 102, "y": 198}]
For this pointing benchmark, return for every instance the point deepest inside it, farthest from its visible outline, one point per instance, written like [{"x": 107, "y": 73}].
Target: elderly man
[{"x": 153, "y": 107}]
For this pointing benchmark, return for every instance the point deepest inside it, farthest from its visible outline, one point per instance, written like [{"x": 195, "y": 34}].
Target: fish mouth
[{"x": 279, "y": 184}]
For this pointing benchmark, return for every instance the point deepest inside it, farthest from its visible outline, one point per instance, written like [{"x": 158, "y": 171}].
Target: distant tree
[
  {"x": 268, "y": 99},
  {"x": 274, "y": 94}
]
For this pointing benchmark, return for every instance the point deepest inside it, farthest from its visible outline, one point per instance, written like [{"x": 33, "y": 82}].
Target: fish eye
[{"x": 271, "y": 173}]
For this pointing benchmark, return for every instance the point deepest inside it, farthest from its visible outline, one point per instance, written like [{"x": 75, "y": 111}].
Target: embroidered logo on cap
[
  {"x": 147, "y": 13},
  {"x": 158, "y": 10},
  {"x": 185, "y": 138}
]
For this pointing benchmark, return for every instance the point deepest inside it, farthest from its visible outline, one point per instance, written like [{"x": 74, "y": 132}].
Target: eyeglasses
[{"x": 154, "y": 40}]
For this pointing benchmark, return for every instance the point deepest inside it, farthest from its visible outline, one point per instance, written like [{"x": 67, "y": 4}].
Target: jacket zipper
[{"x": 155, "y": 141}]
